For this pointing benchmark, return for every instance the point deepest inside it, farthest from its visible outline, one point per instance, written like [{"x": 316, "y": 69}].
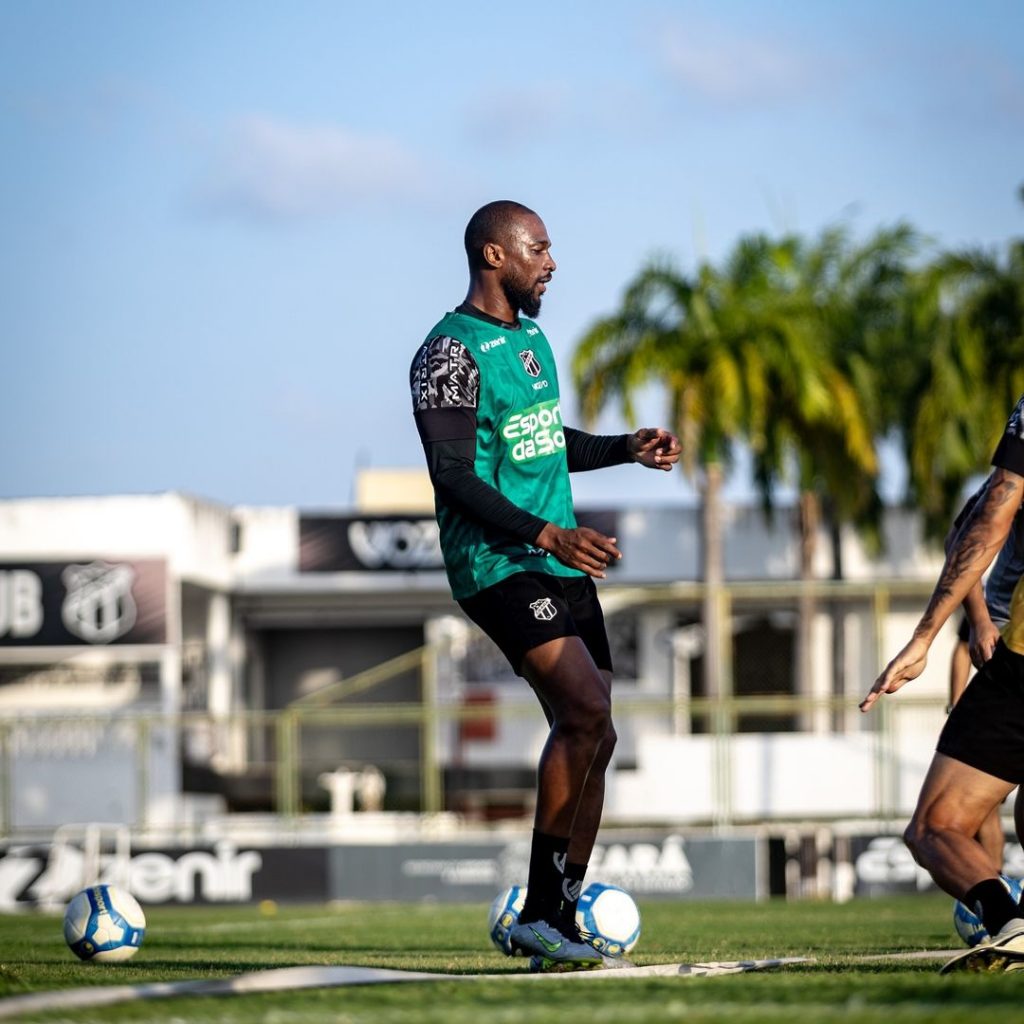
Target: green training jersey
[{"x": 508, "y": 376}]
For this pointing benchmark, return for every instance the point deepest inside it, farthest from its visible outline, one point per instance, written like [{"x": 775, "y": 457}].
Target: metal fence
[
  {"x": 117, "y": 768},
  {"x": 742, "y": 756}
]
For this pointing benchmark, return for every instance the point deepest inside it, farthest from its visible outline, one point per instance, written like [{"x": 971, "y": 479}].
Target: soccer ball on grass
[
  {"x": 609, "y": 919},
  {"x": 504, "y": 915},
  {"x": 105, "y": 924},
  {"x": 969, "y": 926},
  {"x": 606, "y": 915}
]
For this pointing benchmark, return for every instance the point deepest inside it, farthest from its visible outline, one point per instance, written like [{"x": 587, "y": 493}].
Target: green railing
[
  {"x": 286, "y": 767},
  {"x": 274, "y": 742}
]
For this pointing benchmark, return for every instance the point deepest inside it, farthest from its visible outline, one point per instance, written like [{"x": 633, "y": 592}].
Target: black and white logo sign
[
  {"x": 93, "y": 601},
  {"x": 543, "y": 609},
  {"x": 99, "y": 606},
  {"x": 530, "y": 363}
]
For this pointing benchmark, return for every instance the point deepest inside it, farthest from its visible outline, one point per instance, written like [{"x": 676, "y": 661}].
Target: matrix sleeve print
[
  {"x": 445, "y": 382},
  {"x": 1009, "y": 452}
]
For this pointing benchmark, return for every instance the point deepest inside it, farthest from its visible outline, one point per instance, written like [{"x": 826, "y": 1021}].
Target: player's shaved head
[{"x": 495, "y": 222}]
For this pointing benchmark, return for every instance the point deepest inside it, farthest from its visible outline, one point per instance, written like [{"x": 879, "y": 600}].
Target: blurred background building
[{"x": 181, "y": 671}]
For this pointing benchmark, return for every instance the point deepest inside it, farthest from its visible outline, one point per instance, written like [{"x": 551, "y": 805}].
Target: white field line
[
  {"x": 293, "y": 978},
  {"x": 920, "y": 954}
]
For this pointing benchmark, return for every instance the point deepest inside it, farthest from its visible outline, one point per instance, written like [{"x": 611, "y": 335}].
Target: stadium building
[{"x": 187, "y": 672}]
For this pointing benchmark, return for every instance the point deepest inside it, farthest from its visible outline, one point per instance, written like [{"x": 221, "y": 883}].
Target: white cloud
[
  {"x": 538, "y": 112},
  {"x": 562, "y": 113},
  {"x": 266, "y": 168},
  {"x": 732, "y": 69}
]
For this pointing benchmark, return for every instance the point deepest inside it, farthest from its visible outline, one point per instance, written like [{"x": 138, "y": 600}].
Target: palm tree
[
  {"x": 670, "y": 330},
  {"x": 948, "y": 417},
  {"x": 793, "y": 301},
  {"x": 956, "y": 366},
  {"x": 994, "y": 307},
  {"x": 758, "y": 352}
]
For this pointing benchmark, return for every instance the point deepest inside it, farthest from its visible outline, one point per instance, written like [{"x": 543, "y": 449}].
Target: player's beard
[{"x": 521, "y": 296}]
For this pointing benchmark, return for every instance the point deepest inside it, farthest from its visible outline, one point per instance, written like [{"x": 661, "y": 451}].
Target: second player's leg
[
  {"x": 955, "y": 801},
  {"x": 992, "y": 838}
]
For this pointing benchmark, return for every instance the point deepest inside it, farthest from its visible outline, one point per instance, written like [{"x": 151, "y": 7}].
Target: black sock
[
  {"x": 992, "y": 903},
  {"x": 572, "y": 887},
  {"x": 544, "y": 885}
]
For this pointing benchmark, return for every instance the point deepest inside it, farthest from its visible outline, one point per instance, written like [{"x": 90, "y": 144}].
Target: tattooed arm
[
  {"x": 981, "y": 535},
  {"x": 979, "y": 538}
]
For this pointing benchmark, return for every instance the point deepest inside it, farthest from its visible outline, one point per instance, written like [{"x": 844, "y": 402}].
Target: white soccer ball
[
  {"x": 609, "y": 919},
  {"x": 504, "y": 915},
  {"x": 969, "y": 926},
  {"x": 104, "y": 923}
]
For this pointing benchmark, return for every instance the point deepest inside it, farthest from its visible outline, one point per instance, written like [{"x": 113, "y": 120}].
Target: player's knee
[
  {"x": 925, "y": 828},
  {"x": 589, "y": 720},
  {"x": 912, "y": 836},
  {"x": 605, "y": 748},
  {"x": 611, "y": 737}
]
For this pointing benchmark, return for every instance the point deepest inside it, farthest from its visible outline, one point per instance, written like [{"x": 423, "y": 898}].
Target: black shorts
[
  {"x": 528, "y": 609},
  {"x": 985, "y": 729}
]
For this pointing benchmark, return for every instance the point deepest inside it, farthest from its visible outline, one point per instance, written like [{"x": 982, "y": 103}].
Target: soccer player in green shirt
[{"x": 486, "y": 401}]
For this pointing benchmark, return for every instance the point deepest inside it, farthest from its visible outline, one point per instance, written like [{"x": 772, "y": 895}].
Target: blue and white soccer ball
[
  {"x": 609, "y": 919},
  {"x": 504, "y": 915},
  {"x": 607, "y": 916},
  {"x": 104, "y": 923},
  {"x": 969, "y": 926}
]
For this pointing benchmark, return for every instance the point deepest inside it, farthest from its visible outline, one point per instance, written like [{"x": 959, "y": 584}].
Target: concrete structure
[{"x": 167, "y": 604}]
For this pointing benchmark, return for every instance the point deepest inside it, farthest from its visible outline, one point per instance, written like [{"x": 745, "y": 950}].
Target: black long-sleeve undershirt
[
  {"x": 449, "y": 441},
  {"x": 451, "y": 466},
  {"x": 595, "y": 451}
]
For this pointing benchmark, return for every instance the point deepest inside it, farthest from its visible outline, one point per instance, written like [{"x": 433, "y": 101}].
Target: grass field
[{"x": 196, "y": 943}]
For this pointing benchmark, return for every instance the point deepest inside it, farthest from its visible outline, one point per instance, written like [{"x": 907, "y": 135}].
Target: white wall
[
  {"x": 192, "y": 535},
  {"x": 756, "y": 777}
]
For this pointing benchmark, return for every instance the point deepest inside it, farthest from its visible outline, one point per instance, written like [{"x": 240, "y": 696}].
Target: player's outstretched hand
[
  {"x": 983, "y": 643},
  {"x": 654, "y": 448},
  {"x": 580, "y": 548},
  {"x": 907, "y": 665}
]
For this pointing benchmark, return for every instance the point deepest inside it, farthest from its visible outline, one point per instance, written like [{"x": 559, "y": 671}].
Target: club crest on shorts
[
  {"x": 530, "y": 364},
  {"x": 543, "y": 609}
]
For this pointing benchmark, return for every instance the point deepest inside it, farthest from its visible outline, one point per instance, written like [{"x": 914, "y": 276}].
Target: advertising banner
[
  {"x": 655, "y": 867},
  {"x": 389, "y": 543},
  {"x": 91, "y": 602},
  {"x": 883, "y": 866},
  {"x": 663, "y": 866},
  {"x": 50, "y": 874}
]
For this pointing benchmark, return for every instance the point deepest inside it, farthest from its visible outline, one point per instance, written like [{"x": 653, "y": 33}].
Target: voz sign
[
  {"x": 379, "y": 543},
  {"x": 93, "y": 601},
  {"x": 395, "y": 543}
]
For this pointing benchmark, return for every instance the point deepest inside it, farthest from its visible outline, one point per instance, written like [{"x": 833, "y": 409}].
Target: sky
[{"x": 228, "y": 226}]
